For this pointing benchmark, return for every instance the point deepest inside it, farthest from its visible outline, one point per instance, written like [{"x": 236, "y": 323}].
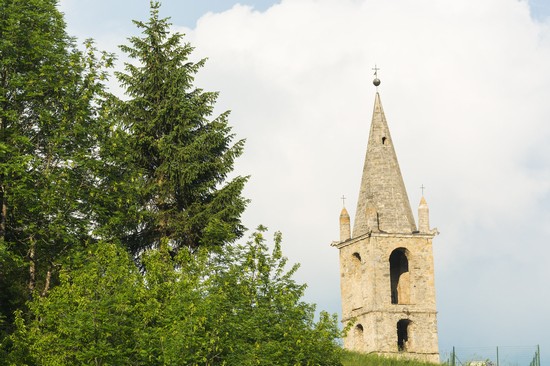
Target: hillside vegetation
[{"x": 359, "y": 359}]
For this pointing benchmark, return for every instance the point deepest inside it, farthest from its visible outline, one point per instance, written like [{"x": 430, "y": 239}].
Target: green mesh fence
[{"x": 494, "y": 356}]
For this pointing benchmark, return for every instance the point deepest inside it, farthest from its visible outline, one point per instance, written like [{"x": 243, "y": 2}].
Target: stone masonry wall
[{"x": 366, "y": 295}]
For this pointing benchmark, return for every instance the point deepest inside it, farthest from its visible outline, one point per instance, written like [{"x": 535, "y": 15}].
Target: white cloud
[{"x": 465, "y": 87}]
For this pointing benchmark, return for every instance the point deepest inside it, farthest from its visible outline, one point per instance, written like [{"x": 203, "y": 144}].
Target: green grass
[{"x": 359, "y": 359}]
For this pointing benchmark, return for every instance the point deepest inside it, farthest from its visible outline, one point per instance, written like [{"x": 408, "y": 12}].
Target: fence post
[{"x": 454, "y": 356}]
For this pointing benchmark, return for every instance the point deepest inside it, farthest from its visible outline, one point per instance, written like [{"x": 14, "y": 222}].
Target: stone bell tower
[{"x": 386, "y": 264}]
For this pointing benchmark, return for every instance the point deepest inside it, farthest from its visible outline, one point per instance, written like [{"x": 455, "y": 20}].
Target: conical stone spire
[{"x": 382, "y": 188}]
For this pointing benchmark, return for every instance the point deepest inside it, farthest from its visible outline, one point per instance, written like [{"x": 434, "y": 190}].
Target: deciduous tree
[
  {"x": 50, "y": 94},
  {"x": 239, "y": 306},
  {"x": 90, "y": 318}
]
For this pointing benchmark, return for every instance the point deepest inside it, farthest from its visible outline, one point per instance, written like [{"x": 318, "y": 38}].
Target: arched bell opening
[{"x": 400, "y": 276}]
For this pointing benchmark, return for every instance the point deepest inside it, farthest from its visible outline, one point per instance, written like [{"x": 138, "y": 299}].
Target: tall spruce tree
[
  {"x": 49, "y": 142},
  {"x": 182, "y": 158}
]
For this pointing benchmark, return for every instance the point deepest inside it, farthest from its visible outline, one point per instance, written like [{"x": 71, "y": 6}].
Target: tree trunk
[
  {"x": 32, "y": 268},
  {"x": 47, "y": 283},
  {"x": 3, "y": 185},
  {"x": 4, "y": 213}
]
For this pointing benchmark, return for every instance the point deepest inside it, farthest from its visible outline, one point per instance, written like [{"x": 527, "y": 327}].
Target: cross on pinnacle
[
  {"x": 422, "y": 188},
  {"x": 343, "y": 198}
]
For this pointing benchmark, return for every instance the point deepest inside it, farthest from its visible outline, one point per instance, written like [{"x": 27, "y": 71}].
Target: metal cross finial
[
  {"x": 376, "y": 70},
  {"x": 343, "y": 200},
  {"x": 422, "y": 188},
  {"x": 376, "y": 81}
]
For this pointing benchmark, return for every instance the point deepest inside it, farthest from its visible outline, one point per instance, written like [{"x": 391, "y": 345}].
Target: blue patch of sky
[
  {"x": 97, "y": 16},
  {"x": 92, "y": 17},
  {"x": 187, "y": 12},
  {"x": 540, "y": 9}
]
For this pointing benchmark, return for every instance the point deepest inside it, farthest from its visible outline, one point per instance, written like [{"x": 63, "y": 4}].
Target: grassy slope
[{"x": 358, "y": 359}]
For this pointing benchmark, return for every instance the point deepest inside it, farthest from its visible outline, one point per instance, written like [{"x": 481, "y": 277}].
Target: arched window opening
[
  {"x": 358, "y": 332},
  {"x": 403, "y": 334},
  {"x": 383, "y": 140},
  {"x": 399, "y": 277},
  {"x": 358, "y": 336},
  {"x": 357, "y": 256}
]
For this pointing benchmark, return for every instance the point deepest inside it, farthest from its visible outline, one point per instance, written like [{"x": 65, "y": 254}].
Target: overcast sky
[{"x": 466, "y": 92}]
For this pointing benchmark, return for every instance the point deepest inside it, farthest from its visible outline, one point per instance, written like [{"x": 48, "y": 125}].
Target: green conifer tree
[{"x": 182, "y": 158}]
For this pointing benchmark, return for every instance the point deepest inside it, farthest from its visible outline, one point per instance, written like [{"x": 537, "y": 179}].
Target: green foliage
[
  {"x": 84, "y": 177},
  {"x": 90, "y": 318},
  {"x": 181, "y": 159},
  {"x": 360, "y": 359},
  {"x": 238, "y": 306},
  {"x": 265, "y": 319},
  {"x": 50, "y": 132},
  {"x": 77, "y": 165}
]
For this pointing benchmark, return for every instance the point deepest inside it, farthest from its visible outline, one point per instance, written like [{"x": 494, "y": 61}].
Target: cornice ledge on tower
[
  {"x": 359, "y": 312},
  {"x": 416, "y": 234},
  {"x": 345, "y": 243}
]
